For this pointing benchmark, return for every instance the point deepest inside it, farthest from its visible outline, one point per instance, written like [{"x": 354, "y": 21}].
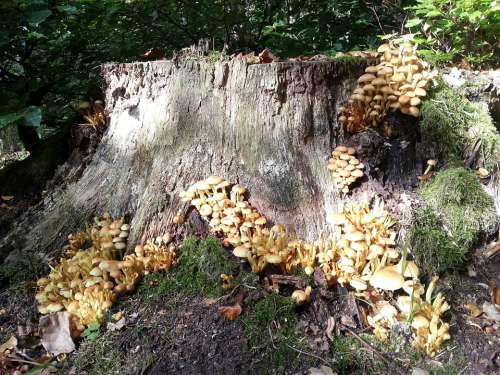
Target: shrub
[
  {"x": 457, "y": 30},
  {"x": 458, "y": 212}
]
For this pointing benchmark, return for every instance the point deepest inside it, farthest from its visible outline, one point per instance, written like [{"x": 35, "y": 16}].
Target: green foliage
[
  {"x": 200, "y": 264},
  {"x": 459, "y": 126},
  {"x": 92, "y": 332},
  {"x": 272, "y": 315},
  {"x": 457, "y": 30},
  {"x": 458, "y": 212},
  {"x": 51, "y": 50}
]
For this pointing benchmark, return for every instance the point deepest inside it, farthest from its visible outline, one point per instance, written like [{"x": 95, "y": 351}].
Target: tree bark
[{"x": 270, "y": 127}]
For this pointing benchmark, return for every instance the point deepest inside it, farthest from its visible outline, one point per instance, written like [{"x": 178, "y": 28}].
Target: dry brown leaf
[
  {"x": 209, "y": 301},
  {"x": 230, "y": 312},
  {"x": 117, "y": 326},
  {"x": 55, "y": 333},
  {"x": 322, "y": 370},
  {"x": 9, "y": 344},
  {"x": 474, "y": 310}
]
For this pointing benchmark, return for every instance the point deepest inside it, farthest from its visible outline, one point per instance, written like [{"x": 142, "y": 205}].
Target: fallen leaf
[
  {"x": 491, "y": 311},
  {"x": 230, "y": 312},
  {"x": 474, "y": 310},
  {"x": 330, "y": 326},
  {"x": 118, "y": 325},
  {"x": 55, "y": 333},
  {"x": 7, "y": 197},
  {"x": 322, "y": 370},
  {"x": 9, "y": 344}
]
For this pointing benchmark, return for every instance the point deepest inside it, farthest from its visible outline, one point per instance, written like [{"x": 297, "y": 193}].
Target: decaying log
[{"x": 270, "y": 127}]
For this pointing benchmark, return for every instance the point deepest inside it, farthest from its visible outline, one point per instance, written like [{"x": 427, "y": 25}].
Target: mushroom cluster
[
  {"x": 361, "y": 54},
  {"x": 158, "y": 255},
  {"x": 87, "y": 280},
  {"x": 243, "y": 227},
  {"x": 397, "y": 83},
  {"x": 422, "y": 312},
  {"x": 345, "y": 167},
  {"x": 361, "y": 253},
  {"x": 362, "y": 243}
]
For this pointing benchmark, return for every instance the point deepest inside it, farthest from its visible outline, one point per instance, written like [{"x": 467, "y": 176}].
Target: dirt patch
[{"x": 203, "y": 342}]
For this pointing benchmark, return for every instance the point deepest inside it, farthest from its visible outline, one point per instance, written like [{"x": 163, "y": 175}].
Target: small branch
[{"x": 367, "y": 345}]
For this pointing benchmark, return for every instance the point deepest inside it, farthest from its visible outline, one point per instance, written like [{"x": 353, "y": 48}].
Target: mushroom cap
[
  {"x": 420, "y": 91},
  {"x": 404, "y": 99},
  {"x": 414, "y": 111},
  {"x": 367, "y": 77},
  {"x": 379, "y": 82},
  {"x": 431, "y": 162},
  {"x": 342, "y": 163},
  {"x": 273, "y": 259},
  {"x": 96, "y": 271},
  {"x": 120, "y": 245},
  {"x": 419, "y": 321},
  {"x": 415, "y": 101},
  {"x": 125, "y": 227},
  {"x": 358, "y": 283},
  {"x": 206, "y": 210},
  {"x": 109, "y": 265},
  {"x": 239, "y": 189},
  {"x": 214, "y": 180},
  {"x": 341, "y": 149},
  {"x": 411, "y": 269},
  {"x": 368, "y": 87},
  {"x": 387, "y": 279},
  {"x": 241, "y": 251},
  {"x": 384, "y": 47},
  {"x": 371, "y": 69},
  {"x": 357, "y": 173},
  {"x": 351, "y": 151},
  {"x": 355, "y": 236}
]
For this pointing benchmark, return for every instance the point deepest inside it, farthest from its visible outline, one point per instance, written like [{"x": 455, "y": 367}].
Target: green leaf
[
  {"x": 69, "y": 9},
  {"x": 36, "y": 17},
  {"x": 10, "y": 119},
  {"x": 413, "y": 22},
  {"x": 32, "y": 116}
]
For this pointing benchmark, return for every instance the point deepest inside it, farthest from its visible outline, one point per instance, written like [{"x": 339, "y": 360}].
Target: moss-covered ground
[
  {"x": 457, "y": 213},
  {"x": 462, "y": 129}
]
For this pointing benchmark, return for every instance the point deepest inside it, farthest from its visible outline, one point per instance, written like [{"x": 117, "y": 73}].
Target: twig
[
  {"x": 13, "y": 359},
  {"x": 369, "y": 346},
  {"x": 309, "y": 354}
]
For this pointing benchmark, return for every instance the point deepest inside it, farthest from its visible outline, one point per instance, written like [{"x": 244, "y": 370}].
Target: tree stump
[{"x": 270, "y": 127}]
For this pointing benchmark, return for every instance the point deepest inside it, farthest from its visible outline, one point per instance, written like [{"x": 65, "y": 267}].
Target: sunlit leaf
[{"x": 35, "y": 18}]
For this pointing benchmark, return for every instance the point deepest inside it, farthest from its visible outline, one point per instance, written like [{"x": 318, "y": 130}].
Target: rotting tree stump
[{"x": 270, "y": 127}]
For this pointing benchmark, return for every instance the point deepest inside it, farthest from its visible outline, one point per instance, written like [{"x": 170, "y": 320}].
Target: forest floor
[{"x": 172, "y": 324}]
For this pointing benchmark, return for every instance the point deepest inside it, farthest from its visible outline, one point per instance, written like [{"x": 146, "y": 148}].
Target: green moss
[
  {"x": 272, "y": 315},
  {"x": 198, "y": 271},
  {"x": 24, "y": 268},
  {"x": 458, "y": 126},
  {"x": 458, "y": 212},
  {"x": 99, "y": 357}
]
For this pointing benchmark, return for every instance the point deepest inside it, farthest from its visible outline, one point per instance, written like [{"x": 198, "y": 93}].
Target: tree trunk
[{"x": 270, "y": 127}]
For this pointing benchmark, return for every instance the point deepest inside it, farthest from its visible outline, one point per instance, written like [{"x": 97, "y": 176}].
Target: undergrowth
[
  {"x": 269, "y": 327},
  {"x": 197, "y": 273},
  {"x": 458, "y": 211},
  {"x": 462, "y": 129}
]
